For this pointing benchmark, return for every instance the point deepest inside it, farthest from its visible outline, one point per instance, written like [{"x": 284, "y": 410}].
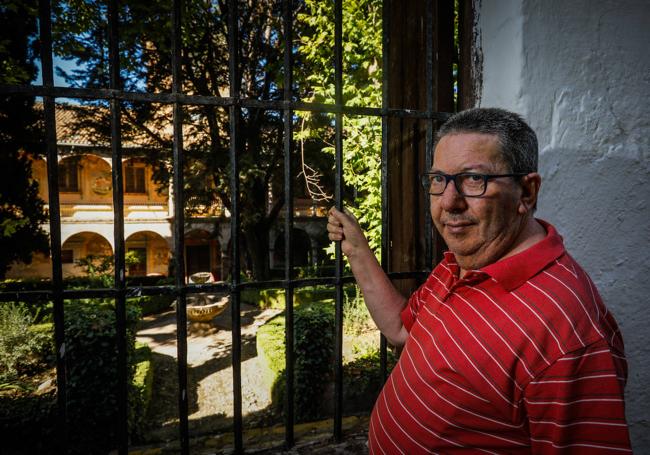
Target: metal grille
[{"x": 234, "y": 103}]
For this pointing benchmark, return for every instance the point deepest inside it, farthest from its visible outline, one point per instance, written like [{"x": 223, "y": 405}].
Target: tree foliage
[
  {"x": 81, "y": 35},
  {"x": 145, "y": 55},
  {"x": 21, "y": 210},
  {"x": 362, "y": 78}
]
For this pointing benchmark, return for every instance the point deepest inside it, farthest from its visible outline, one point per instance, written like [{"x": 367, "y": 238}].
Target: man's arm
[
  {"x": 384, "y": 302},
  {"x": 577, "y": 404}
]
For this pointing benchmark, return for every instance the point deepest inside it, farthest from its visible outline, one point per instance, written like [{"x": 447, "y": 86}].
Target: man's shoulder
[{"x": 566, "y": 298}]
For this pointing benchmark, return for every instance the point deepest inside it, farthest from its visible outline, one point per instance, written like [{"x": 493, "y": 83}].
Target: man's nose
[{"x": 451, "y": 199}]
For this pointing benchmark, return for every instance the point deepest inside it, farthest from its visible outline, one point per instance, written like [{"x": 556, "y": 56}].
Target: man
[{"x": 507, "y": 346}]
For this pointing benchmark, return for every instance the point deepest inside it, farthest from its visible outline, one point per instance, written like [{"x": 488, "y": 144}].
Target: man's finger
[{"x": 344, "y": 217}]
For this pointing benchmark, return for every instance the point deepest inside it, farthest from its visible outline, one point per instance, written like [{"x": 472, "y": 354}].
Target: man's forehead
[{"x": 468, "y": 151}]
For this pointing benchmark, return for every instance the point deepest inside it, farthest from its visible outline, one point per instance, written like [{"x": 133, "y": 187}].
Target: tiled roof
[{"x": 70, "y": 132}]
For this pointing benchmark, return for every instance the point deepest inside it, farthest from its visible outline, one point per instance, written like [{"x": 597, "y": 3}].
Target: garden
[{"x": 28, "y": 389}]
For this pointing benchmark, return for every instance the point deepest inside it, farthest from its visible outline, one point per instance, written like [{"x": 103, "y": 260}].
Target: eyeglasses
[{"x": 467, "y": 184}]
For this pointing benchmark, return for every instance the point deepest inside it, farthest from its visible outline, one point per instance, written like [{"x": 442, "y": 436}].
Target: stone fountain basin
[{"x": 206, "y": 313}]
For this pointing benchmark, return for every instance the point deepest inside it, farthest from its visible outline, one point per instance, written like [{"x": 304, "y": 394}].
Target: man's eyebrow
[{"x": 478, "y": 168}]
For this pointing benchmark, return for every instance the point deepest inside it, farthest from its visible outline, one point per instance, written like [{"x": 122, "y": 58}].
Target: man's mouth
[{"x": 457, "y": 227}]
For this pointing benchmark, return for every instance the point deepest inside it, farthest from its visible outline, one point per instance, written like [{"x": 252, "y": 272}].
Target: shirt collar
[{"x": 514, "y": 271}]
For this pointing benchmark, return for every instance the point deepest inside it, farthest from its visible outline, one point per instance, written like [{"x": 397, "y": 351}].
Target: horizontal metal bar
[
  {"x": 137, "y": 291},
  {"x": 170, "y": 98}
]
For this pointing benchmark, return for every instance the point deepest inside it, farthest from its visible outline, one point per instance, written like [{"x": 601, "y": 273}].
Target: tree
[
  {"x": 21, "y": 210},
  {"x": 80, "y": 34},
  {"x": 362, "y": 79}
]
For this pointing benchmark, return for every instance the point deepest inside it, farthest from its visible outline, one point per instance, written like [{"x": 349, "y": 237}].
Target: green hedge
[
  {"x": 313, "y": 369},
  {"x": 313, "y": 356},
  {"x": 91, "y": 353},
  {"x": 275, "y": 298},
  {"x": 152, "y": 304},
  {"x": 29, "y": 422},
  {"x": 362, "y": 381},
  {"x": 141, "y": 390}
]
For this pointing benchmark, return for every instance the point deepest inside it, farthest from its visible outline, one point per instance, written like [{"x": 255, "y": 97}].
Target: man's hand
[
  {"x": 343, "y": 226},
  {"x": 384, "y": 302}
]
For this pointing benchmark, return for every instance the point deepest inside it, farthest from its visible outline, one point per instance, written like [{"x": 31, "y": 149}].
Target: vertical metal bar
[
  {"x": 118, "y": 231},
  {"x": 179, "y": 229},
  {"x": 55, "y": 222},
  {"x": 338, "y": 143},
  {"x": 288, "y": 221},
  {"x": 428, "y": 153},
  {"x": 385, "y": 189},
  {"x": 234, "y": 113}
]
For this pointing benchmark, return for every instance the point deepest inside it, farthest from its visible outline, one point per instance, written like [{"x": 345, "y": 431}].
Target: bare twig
[{"x": 312, "y": 177}]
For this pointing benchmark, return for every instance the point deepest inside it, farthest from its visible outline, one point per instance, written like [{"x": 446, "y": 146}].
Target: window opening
[
  {"x": 134, "y": 177},
  {"x": 69, "y": 176}
]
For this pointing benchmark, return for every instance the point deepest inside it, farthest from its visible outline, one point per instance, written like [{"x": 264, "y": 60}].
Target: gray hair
[{"x": 518, "y": 142}]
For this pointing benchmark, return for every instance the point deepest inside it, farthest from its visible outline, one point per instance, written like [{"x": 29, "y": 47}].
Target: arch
[
  {"x": 88, "y": 242},
  {"x": 69, "y": 230},
  {"x": 86, "y": 173},
  {"x": 79, "y": 246},
  {"x": 164, "y": 230},
  {"x": 151, "y": 251}
]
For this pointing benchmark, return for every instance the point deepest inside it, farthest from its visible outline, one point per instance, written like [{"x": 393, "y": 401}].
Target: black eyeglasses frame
[{"x": 426, "y": 183}]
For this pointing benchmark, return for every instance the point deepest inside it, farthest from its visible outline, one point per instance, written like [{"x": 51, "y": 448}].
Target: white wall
[{"x": 579, "y": 72}]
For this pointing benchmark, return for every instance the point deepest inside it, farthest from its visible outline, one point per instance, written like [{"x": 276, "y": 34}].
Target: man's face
[{"x": 478, "y": 230}]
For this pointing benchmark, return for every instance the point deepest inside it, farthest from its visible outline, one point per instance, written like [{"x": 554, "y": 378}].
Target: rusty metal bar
[
  {"x": 118, "y": 232},
  {"x": 45, "y": 26},
  {"x": 338, "y": 144},
  {"x": 234, "y": 114},
  {"x": 179, "y": 229},
  {"x": 288, "y": 223}
]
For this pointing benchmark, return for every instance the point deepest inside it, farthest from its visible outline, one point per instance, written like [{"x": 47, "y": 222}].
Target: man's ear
[{"x": 530, "y": 185}]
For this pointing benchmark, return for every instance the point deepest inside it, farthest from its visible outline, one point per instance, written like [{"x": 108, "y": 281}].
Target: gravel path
[
  {"x": 209, "y": 373},
  {"x": 210, "y": 394}
]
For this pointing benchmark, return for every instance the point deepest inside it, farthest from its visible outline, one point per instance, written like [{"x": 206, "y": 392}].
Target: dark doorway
[{"x": 197, "y": 258}]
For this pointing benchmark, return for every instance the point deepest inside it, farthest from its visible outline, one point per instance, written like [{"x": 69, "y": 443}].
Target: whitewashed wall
[{"x": 579, "y": 72}]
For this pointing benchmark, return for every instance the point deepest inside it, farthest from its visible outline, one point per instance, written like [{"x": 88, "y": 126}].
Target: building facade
[{"x": 86, "y": 206}]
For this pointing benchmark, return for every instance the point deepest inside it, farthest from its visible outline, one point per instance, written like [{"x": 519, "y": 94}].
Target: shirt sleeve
[{"x": 577, "y": 404}]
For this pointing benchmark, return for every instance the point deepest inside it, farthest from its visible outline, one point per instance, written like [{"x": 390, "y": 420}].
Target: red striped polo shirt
[{"x": 521, "y": 356}]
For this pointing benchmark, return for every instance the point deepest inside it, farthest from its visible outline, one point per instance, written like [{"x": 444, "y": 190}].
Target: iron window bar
[
  {"x": 115, "y": 95},
  {"x": 170, "y": 98},
  {"x": 179, "y": 230},
  {"x": 137, "y": 291},
  {"x": 385, "y": 184},
  {"x": 234, "y": 112},
  {"x": 45, "y": 30},
  {"x": 118, "y": 232},
  {"x": 288, "y": 222},
  {"x": 338, "y": 198}
]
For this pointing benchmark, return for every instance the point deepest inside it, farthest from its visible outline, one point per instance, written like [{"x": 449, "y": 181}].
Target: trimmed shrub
[
  {"x": 313, "y": 356},
  {"x": 91, "y": 353},
  {"x": 152, "y": 304},
  {"x": 21, "y": 349},
  {"x": 362, "y": 381},
  {"x": 141, "y": 390},
  {"x": 28, "y": 424},
  {"x": 275, "y": 298}
]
